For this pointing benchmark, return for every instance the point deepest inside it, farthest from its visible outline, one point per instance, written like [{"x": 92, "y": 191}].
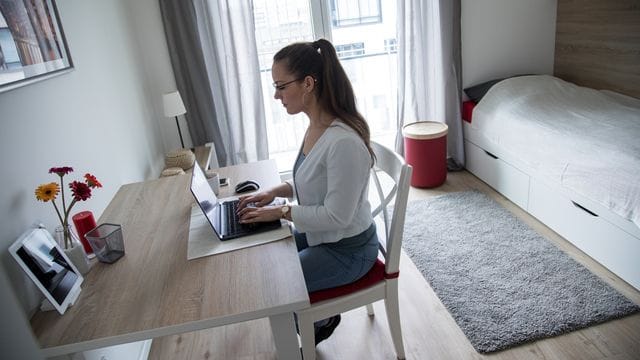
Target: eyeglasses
[{"x": 281, "y": 87}]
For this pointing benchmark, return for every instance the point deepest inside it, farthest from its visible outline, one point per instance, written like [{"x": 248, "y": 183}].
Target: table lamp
[{"x": 173, "y": 106}]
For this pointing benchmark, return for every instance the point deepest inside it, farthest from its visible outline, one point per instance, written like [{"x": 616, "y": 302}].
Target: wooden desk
[{"x": 155, "y": 291}]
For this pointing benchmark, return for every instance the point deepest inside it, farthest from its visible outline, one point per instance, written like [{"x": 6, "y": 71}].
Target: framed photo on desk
[{"x": 48, "y": 267}]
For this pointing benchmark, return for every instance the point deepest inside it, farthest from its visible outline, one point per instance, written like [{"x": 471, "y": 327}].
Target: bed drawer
[
  {"x": 606, "y": 243},
  {"x": 506, "y": 179}
]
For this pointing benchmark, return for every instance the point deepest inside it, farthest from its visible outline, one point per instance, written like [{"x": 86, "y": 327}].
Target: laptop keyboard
[{"x": 234, "y": 227}]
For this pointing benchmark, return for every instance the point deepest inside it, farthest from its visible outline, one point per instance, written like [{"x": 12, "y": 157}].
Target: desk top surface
[{"x": 155, "y": 291}]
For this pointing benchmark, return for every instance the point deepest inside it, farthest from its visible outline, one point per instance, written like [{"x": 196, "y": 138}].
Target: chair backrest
[{"x": 393, "y": 186}]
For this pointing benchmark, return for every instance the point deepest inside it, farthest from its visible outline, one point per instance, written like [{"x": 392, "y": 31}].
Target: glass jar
[
  {"x": 69, "y": 242},
  {"x": 66, "y": 237}
]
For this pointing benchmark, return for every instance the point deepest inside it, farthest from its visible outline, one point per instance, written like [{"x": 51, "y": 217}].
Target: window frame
[
  {"x": 346, "y": 22},
  {"x": 321, "y": 19}
]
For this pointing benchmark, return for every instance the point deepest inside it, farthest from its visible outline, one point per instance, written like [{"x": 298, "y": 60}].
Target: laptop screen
[{"x": 206, "y": 198}]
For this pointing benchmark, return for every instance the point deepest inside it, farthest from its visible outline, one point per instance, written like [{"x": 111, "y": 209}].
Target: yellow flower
[{"x": 47, "y": 192}]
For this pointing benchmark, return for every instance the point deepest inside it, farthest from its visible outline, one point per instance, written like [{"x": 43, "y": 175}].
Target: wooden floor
[{"x": 429, "y": 331}]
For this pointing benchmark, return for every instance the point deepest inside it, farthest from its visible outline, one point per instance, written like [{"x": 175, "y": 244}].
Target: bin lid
[{"x": 423, "y": 130}]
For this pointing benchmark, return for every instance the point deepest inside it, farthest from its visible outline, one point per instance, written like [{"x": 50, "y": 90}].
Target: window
[
  {"x": 350, "y": 50},
  {"x": 364, "y": 51},
  {"x": 358, "y": 12},
  {"x": 391, "y": 45}
]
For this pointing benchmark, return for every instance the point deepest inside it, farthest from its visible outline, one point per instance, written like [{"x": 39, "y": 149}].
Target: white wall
[
  {"x": 148, "y": 33},
  {"x": 104, "y": 117},
  {"x": 506, "y": 37},
  {"x": 16, "y": 339}
]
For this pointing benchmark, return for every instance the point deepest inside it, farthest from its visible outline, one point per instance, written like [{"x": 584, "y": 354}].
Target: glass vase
[{"x": 69, "y": 242}]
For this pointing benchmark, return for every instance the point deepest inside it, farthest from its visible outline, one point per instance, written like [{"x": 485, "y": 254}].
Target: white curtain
[
  {"x": 228, "y": 42},
  {"x": 429, "y": 68}
]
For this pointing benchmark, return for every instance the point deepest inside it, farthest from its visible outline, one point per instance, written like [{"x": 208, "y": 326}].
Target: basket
[{"x": 182, "y": 158}]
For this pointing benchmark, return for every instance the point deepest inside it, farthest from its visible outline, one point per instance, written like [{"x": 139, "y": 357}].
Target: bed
[{"x": 570, "y": 156}]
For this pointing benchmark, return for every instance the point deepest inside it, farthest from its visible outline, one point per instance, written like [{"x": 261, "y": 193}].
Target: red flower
[
  {"x": 92, "y": 181},
  {"x": 80, "y": 190},
  {"x": 61, "y": 171}
]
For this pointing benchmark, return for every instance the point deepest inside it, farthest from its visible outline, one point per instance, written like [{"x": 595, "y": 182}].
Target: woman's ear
[{"x": 309, "y": 83}]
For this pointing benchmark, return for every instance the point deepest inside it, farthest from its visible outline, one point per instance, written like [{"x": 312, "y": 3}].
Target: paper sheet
[{"x": 204, "y": 242}]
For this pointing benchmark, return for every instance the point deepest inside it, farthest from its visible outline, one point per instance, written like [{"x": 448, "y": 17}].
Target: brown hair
[{"x": 333, "y": 89}]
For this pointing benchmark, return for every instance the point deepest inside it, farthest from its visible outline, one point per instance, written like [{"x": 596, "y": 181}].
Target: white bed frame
[{"x": 606, "y": 237}]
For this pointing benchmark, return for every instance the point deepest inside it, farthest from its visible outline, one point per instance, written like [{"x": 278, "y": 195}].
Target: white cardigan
[{"x": 332, "y": 186}]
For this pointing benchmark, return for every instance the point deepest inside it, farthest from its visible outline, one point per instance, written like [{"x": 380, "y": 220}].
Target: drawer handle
[
  {"x": 584, "y": 209},
  {"x": 490, "y": 154}
]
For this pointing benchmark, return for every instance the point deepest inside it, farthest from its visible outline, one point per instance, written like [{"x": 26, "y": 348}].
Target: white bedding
[{"x": 586, "y": 140}]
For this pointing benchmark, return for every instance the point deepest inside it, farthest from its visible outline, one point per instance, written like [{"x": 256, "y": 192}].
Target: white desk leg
[{"x": 284, "y": 335}]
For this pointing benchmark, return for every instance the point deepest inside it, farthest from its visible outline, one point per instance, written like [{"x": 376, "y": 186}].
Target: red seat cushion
[{"x": 374, "y": 276}]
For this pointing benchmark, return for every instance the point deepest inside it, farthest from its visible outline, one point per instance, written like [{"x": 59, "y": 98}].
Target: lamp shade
[{"x": 173, "y": 105}]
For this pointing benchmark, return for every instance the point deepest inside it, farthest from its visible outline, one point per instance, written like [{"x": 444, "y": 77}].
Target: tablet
[{"x": 48, "y": 266}]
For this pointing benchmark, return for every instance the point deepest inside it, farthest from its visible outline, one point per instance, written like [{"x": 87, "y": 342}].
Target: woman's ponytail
[
  {"x": 336, "y": 92},
  {"x": 333, "y": 88}
]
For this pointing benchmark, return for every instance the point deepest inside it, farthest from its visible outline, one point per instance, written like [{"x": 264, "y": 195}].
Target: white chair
[{"x": 381, "y": 282}]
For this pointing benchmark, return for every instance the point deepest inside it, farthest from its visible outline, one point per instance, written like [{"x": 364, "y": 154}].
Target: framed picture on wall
[{"x": 32, "y": 43}]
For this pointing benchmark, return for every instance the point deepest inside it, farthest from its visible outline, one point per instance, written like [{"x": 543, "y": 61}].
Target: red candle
[{"x": 84, "y": 223}]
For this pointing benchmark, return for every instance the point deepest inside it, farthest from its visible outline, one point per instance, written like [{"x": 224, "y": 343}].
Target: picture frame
[
  {"x": 32, "y": 43},
  {"x": 47, "y": 265}
]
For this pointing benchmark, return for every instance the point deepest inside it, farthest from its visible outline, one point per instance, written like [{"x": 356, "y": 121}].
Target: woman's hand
[
  {"x": 257, "y": 200},
  {"x": 259, "y": 214}
]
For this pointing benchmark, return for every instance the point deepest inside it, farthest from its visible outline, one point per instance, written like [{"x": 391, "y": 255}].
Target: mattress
[{"x": 585, "y": 140}]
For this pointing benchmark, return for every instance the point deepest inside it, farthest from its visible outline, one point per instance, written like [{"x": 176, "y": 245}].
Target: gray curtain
[
  {"x": 227, "y": 39},
  {"x": 429, "y": 63},
  {"x": 181, "y": 31}
]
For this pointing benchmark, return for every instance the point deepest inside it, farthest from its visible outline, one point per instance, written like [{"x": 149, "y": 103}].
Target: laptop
[{"x": 222, "y": 215}]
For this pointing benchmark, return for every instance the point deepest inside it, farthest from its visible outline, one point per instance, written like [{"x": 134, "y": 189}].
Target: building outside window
[
  {"x": 357, "y": 12},
  {"x": 391, "y": 45},
  {"x": 350, "y": 50}
]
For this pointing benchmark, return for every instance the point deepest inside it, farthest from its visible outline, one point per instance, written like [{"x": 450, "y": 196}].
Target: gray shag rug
[{"x": 503, "y": 283}]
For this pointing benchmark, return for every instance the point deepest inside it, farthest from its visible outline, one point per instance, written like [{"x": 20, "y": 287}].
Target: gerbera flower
[
  {"x": 80, "y": 190},
  {"x": 92, "y": 181},
  {"x": 47, "y": 192},
  {"x": 61, "y": 171}
]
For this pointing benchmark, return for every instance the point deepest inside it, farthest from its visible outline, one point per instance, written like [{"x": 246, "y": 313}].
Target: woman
[{"x": 334, "y": 231}]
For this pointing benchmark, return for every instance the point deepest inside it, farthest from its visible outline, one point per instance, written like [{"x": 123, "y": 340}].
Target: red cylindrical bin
[{"x": 425, "y": 149}]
